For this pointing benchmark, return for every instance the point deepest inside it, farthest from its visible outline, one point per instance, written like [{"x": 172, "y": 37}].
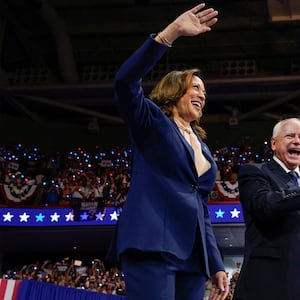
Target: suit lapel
[
  {"x": 185, "y": 142},
  {"x": 205, "y": 150},
  {"x": 279, "y": 174}
]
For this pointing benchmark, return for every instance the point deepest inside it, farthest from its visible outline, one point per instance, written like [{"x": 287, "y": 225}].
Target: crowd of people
[
  {"x": 92, "y": 275},
  {"x": 28, "y": 176}
]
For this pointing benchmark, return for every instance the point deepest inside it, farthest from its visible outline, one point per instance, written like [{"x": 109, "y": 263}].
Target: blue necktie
[{"x": 294, "y": 177}]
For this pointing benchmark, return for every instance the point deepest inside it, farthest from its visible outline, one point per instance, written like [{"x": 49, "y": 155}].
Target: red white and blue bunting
[
  {"x": 227, "y": 191},
  {"x": 17, "y": 196}
]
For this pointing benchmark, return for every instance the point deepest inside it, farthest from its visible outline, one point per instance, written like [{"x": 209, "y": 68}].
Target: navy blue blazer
[
  {"x": 166, "y": 199},
  {"x": 271, "y": 267}
]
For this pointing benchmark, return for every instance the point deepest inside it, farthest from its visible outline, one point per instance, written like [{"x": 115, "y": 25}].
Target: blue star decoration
[
  {"x": 219, "y": 213},
  {"x": 84, "y": 216},
  {"x": 39, "y": 217}
]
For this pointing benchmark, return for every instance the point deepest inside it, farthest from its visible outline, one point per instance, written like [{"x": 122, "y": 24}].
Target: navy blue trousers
[{"x": 162, "y": 276}]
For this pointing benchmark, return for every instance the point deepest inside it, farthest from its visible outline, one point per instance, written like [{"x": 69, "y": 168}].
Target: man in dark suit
[
  {"x": 270, "y": 197},
  {"x": 165, "y": 238}
]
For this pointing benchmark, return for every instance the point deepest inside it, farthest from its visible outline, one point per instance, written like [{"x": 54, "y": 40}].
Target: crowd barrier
[
  {"x": 35, "y": 290},
  {"x": 9, "y": 289}
]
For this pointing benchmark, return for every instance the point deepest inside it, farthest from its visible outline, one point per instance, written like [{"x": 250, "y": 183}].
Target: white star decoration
[
  {"x": 24, "y": 217},
  {"x": 114, "y": 216},
  {"x": 7, "y": 217},
  {"x": 69, "y": 217},
  {"x": 235, "y": 213},
  {"x": 100, "y": 216},
  {"x": 55, "y": 217}
]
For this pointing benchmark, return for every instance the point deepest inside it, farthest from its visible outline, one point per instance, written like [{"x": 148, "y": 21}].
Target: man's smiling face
[{"x": 286, "y": 145}]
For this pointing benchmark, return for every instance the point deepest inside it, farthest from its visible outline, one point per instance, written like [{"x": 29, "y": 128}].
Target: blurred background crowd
[
  {"x": 74, "y": 273},
  {"x": 30, "y": 177},
  {"x": 91, "y": 274}
]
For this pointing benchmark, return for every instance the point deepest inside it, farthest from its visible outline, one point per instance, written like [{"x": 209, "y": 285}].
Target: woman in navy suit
[{"x": 165, "y": 239}]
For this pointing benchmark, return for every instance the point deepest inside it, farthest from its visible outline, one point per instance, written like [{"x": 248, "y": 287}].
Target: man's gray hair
[{"x": 278, "y": 126}]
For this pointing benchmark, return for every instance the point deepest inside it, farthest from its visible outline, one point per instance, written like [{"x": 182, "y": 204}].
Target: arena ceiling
[{"x": 58, "y": 57}]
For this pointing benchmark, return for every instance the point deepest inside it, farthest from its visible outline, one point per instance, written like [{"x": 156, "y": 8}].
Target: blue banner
[{"x": 40, "y": 217}]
